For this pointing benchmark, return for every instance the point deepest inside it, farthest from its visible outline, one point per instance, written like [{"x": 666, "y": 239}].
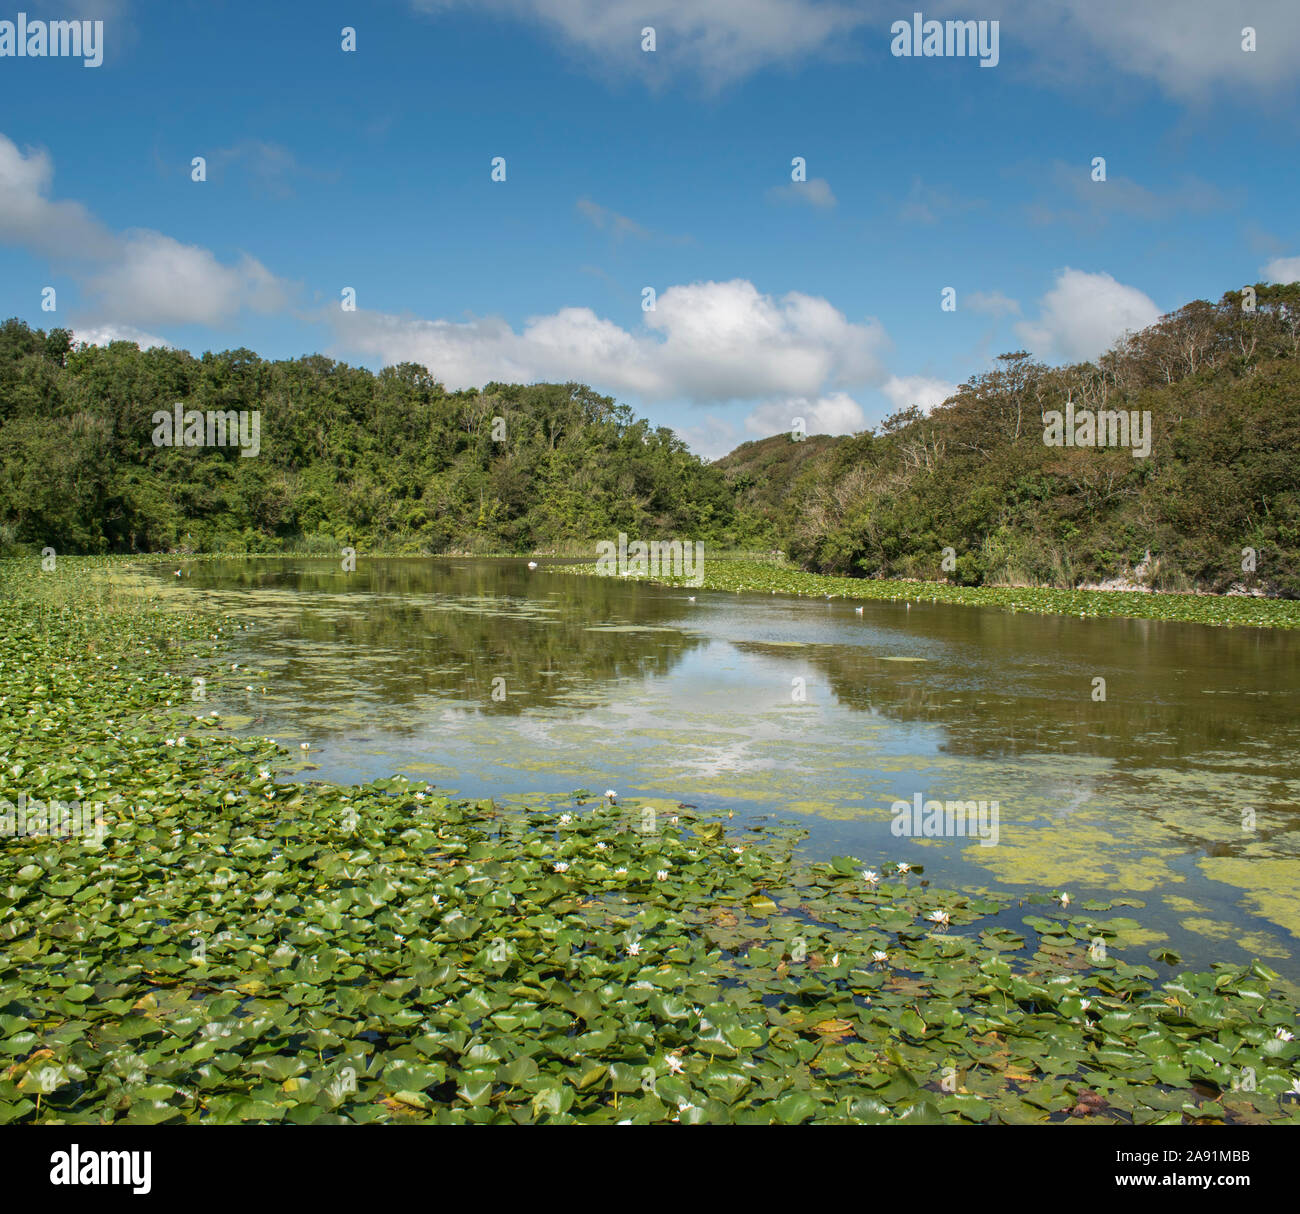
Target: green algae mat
[{"x": 221, "y": 946}]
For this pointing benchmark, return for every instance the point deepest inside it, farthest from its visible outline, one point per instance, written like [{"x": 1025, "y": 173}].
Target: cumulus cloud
[
  {"x": 1083, "y": 314},
  {"x": 923, "y": 391},
  {"x": 138, "y": 277},
  {"x": 154, "y": 279},
  {"x": 31, "y": 219},
  {"x": 706, "y": 342},
  {"x": 837, "y": 413},
  {"x": 103, "y": 335},
  {"x": 815, "y": 192},
  {"x": 1282, "y": 270}
]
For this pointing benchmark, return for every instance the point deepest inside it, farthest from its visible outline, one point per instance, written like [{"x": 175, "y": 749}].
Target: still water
[{"x": 1180, "y": 790}]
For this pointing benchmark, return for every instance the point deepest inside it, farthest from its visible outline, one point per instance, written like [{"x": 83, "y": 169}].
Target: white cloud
[
  {"x": 1282, "y": 270},
  {"x": 815, "y": 192},
  {"x": 706, "y": 342},
  {"x": 1190, "y": 48},
  {"x": 103, "y": 335},
  {"x": 157, "y": 280},
  {"x": 134, "y": 278},
  {"x": 718, "y": 42},
  {"x": 31, "y": 219},
  {"x": 711, "y": 438},
  {"x": 1083, "y": 314},
  {"x": 924, "y": 391},
  {"x": 837, "y": 413}
]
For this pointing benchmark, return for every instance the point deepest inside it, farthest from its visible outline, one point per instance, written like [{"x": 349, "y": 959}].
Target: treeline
[
  {"x": 1222, "y": 386},
  {"x": 390, "y": 461}
]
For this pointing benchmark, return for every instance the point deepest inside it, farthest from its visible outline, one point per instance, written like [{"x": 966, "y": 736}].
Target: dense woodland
[
  {"x": 1223, "y": 388},
  {"x": 393, "y": 461}
]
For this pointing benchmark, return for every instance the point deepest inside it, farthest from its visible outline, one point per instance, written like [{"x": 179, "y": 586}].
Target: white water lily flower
[
  {"x": 870, "y": 877},
  {"x": 602, "y": 846},
  {"x": 565, "y": 819},
  {"x": 304, "y": 745},
  {"x": 562, "y": 867},
  {"x": 620, "y": 872},
  {"x": 611, "y": 794},
  {"x": 880, "y": 956},
  {"x": 674, "y": 1063},
  {"x": 634, "y": 949},
  {"x": 661, "y": 875},
  {"x": 904, "y": 868},
  {"x": 737, "y": 851},
  {"x": 1283, "y": 1035},
  {"x": 180, "y": 741},
  {"x": 938, "y": 916},
  {"x": 1085, "y": 1004},
  {"x": 1064, "y": 900},
  {"x": 170, "y": 741}
]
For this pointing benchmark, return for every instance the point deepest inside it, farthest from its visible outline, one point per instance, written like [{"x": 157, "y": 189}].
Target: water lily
[
  {"x": 602, "y": 846},
  {"x": 870, "y": 876},
  {"x": 938, "y": 916},
  {"x": 634, "y": 949},
  {"x": 1064, "y": 900},
  {"x": 562, "y": 867},
  {"x": 620, "y": 872},
  {"x": 1283, "y": 1035},
  {"x": 611, "y": 795},
  {"x": 880, "y": 957},
  {"x": 904, "y": 868},
  {"x": 674, "y": 1063},
  {"x": 565, "y": 819},
  {"x": 661, "y": 875}
]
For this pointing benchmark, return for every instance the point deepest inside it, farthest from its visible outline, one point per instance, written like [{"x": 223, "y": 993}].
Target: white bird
[
  {"x": 532, "y": 564},
  {"x": 690, "y": 598}
]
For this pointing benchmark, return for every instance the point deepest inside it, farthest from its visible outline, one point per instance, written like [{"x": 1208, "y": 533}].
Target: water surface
[{"x": 1181, "y": 789}]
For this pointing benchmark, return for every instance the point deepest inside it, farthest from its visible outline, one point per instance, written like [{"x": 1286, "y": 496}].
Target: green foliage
[
  {"x": 389, "y": 461},
  {"x": 1223, "y": 390}
]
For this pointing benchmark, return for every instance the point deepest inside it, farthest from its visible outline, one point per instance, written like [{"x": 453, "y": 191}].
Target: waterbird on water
[{"x": 532, "y": 564}]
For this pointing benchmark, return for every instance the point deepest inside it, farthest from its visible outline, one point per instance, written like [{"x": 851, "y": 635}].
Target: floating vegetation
[
  {"x": 230, "y": 948},
  {"x": 770, "y": 577}
]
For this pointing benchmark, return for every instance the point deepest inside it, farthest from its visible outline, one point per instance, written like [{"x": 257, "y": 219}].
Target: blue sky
[{"x": 669, "y": 169}]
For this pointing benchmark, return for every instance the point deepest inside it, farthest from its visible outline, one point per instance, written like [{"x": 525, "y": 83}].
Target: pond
[{"x": 1179, "y": 790}]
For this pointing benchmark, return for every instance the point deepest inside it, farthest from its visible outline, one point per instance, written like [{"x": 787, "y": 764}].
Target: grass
[{"x": 237, "y": 948}]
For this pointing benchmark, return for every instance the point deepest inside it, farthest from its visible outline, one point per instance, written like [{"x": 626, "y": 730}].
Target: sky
[{"x": 629, "y": 171}]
